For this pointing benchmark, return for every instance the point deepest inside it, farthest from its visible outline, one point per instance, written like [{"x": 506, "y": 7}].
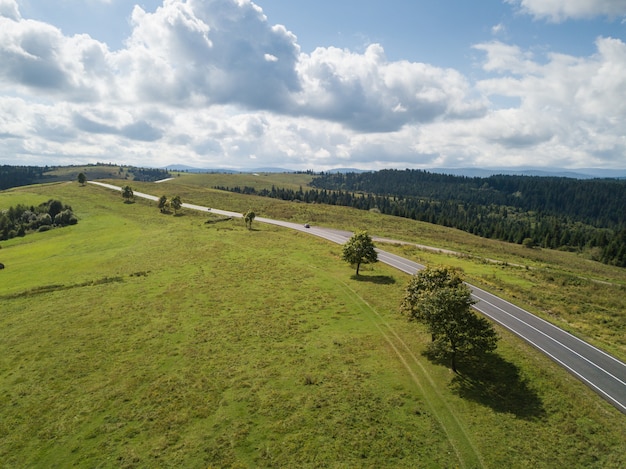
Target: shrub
[
  {"x": 54, "y": 207},
  {"x": 45, "y": 219},
  {"x": 64, "y": 218}
]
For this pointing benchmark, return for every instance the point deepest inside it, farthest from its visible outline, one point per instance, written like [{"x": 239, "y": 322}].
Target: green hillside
[
  {"x": 15, "y": 176},
  {"x": 578, "y": 294},
  {"x": 138, "y": 339}
]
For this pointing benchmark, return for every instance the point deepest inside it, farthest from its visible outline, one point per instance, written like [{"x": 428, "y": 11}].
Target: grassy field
[
  {"x": 136, "y": 339},
  {"x": 70, "y": 173},
  {"x": 257, "y": 180},
  {"x": 584, "y": 297}
]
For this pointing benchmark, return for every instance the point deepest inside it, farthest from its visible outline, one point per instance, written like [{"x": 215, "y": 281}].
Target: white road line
[
  {"x": 549, "y": 324},
  {"x": 549, "y": 337},
  {"x": 553, "y": 357}
]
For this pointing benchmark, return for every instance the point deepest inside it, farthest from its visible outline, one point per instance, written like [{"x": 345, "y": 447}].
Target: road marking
[
  {"x": 549, "y": 324},
  {"x": 534, "y": 344}
]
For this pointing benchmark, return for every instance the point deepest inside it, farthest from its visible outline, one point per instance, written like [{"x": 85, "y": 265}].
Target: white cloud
[
  {"x": 568, "y": 112},
  {"x": 9, "y": 9},
  {"x": 561, "y": 10},
  {"x": 367, "y": 92},
  {"x": 498, "y": 29},
  {"x": 503, "y": 57},
  {"x": 212, "y": 83},
  {"x": 210, "y": 52},
  {"x": 37, "y": 58}
]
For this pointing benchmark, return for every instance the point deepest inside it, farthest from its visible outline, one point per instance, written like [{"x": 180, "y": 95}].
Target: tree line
[
  {"x": 575, "y": 215},
  {"x": 21, "y": 219},
  {"x": 596, "y": 202},
  {"x": 14, "y": 176},
  {"x": 148, "y": 174}
]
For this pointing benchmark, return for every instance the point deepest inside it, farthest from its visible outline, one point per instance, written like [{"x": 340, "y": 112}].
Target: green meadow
[
  {"x": 582, "y": 296},
  {"x": 138, "y": 339}
]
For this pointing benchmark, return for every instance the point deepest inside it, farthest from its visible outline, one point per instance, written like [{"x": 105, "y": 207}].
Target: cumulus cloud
[
  {"x": 567, "y": 104},
  {"x": 212, "y": 83},
  {"x": 38, "y": 57},
  {"x": 567, "y": 116},
  {"x": 505, "y": 58},
  {"x": 141, "y": 130},
  {"x": 9, "y": 9},
  {"x": 199, "y": 53},
  {"x": 561, "y": 10},
  {"x": 226, "y": 52},
  {"x": 210, "y": 52},
  {"x": 185, "y": 53},
  {"x": 587, "y": 85},
  {"x": 368, "y": 93}
]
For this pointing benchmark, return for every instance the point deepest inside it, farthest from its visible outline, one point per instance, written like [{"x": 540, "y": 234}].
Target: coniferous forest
[
  {"x": 13, "y": 176},
  {"x": 549, "y": 212}
]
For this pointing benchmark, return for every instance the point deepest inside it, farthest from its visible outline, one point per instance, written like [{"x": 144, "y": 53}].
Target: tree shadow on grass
[
  {"x": 378, "y": 279},
  {"x": 494, "y": 382},
  {"x": 212, "y": 221}
]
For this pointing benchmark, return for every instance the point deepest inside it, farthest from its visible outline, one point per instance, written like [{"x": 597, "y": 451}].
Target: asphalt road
[{"x": 603, "y": 373}]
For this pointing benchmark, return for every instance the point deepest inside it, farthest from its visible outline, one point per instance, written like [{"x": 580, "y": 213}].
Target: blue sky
[{"x": 314, "y": 84}]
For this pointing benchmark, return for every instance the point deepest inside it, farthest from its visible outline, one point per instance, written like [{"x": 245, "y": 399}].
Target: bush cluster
[{"x": 21, "y": 219}]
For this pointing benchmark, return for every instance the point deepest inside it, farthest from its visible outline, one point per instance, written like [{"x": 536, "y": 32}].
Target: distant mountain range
[
  {"x": 582, "y": 173},
  {"x": 191, "y": 169}
]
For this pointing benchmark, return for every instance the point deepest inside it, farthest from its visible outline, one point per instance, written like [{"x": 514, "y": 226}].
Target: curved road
[{"x": 605, "y": 374}]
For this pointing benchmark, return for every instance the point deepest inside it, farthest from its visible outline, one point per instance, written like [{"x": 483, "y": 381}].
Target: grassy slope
[
  {"x": 70, "y": 173},
  {"x": 135, "y": 339},
  {"x": 585, "y": 297}
]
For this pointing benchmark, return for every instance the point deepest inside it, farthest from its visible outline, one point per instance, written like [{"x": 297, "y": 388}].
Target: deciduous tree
[
  {"x": 127, "y": 194},
  {"x": 248, "y": 218},
  {"x": 163, "y": 203},
  {"x": 359, "y": 249},
  {"x": 439, "y": 299},
  {"x": 82, "y": 179},
  {"x": 176, "y": 203}
]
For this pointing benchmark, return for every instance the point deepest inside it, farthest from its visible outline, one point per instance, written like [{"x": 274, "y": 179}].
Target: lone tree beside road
[
  {"x": 82, "y": 178},
  {"x": 438, "y": 298},
  {"x": 163, "y": 204},
  {"x": 359, "y": 249},
  {"x": 248, "y": 218},
  {"x": 127, "y": 194},
  {"x": 176, "y": 203}
]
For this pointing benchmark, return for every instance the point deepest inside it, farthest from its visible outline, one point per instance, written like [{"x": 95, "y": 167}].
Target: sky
[{"x": 314, "y": 85}]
